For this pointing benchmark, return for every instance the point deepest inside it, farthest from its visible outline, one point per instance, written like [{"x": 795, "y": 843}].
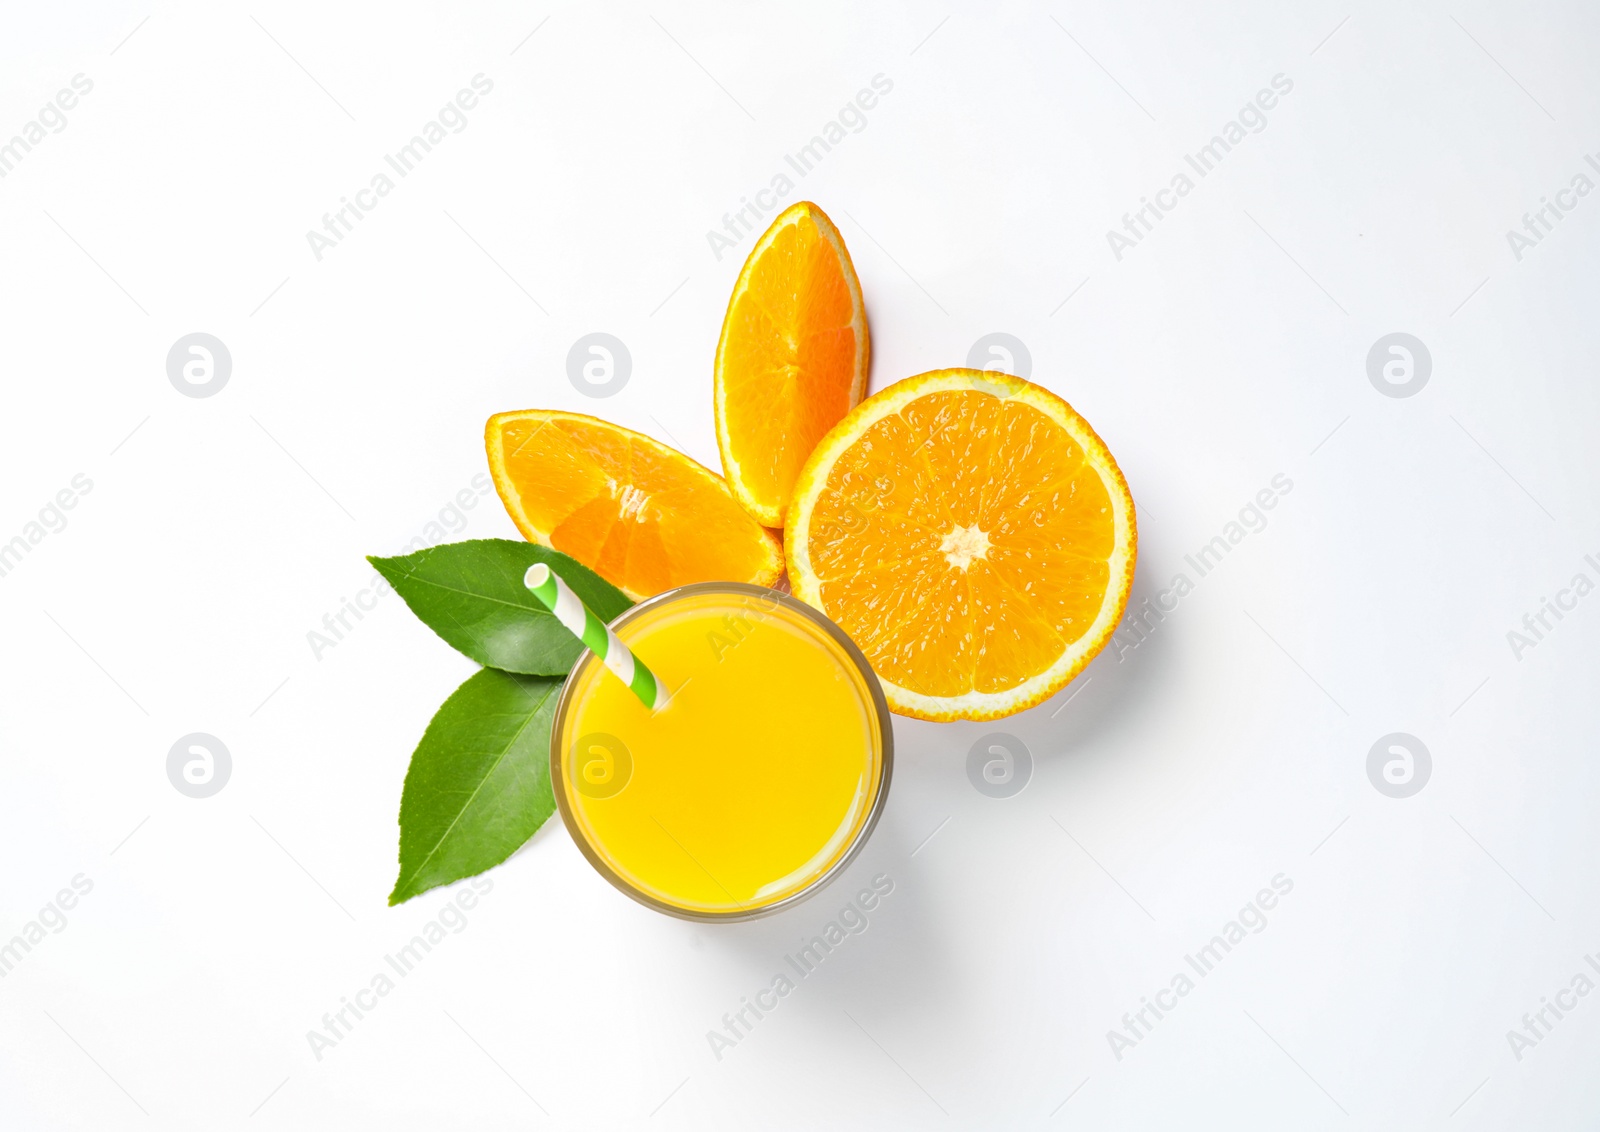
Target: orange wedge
[
  {"x": 972, "y": 534},
  {"x": 792, "y": 359},
  {"x": 643, "y": 516}
]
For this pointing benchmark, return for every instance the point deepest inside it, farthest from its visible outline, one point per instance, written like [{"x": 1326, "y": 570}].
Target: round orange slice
[
  {"x": 972, "y": 534},
  {"x": 792, "y": 359},
  {"x": 643, "y": 516}
]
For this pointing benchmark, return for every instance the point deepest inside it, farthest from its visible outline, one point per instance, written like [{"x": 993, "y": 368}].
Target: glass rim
[{"x": 880, "y": 706}]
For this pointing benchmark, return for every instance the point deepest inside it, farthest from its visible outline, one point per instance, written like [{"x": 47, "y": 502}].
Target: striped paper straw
[{"x": 581, "y": 622}]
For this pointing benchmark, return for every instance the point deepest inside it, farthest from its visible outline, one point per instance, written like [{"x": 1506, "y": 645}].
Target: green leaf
[
  {"x": 479, "y": 782},
  {"x": 471, "y": 594}
]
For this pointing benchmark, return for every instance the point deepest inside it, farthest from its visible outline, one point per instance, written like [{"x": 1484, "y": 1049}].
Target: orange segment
[
  {"x": 972, "y": 534},
  {"x": 792, "y": 360},
  {"x": 644, "y": 517}
]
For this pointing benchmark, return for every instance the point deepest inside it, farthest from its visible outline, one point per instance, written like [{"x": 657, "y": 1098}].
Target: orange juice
[{"x": 756, "y": 782}]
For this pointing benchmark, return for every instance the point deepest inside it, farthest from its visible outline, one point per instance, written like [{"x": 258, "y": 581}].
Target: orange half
[
  {"x": 792, "y": 359},
  {"x": 643, "y": 516},
  {"x": 973, "y": 536}
]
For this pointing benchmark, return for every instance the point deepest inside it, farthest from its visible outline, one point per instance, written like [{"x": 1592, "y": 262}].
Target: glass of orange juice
[{"x": 759, "y": 780}]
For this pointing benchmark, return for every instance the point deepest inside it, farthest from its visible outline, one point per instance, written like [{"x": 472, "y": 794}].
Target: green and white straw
[{"x": 581, "y": 622}]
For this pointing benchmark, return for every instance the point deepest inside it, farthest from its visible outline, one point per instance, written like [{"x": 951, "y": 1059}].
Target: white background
[{"x": 1228, "y": 347}]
